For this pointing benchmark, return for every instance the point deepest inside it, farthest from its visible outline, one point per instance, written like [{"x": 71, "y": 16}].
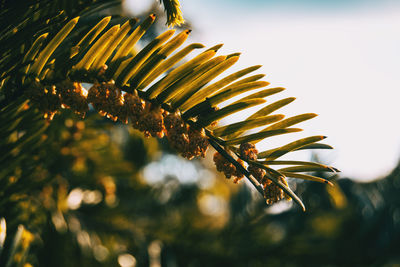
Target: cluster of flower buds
[
  {"x": 188, "y": 141},
  {"x": 73, "y": 96},
  {"x": 109, "y": 101},
  {"x": 49, "y": 101},
  {"x": 152, "y": 120},
  {"x": 229, "y": 169},
  {"x": 272, "y": 192}
]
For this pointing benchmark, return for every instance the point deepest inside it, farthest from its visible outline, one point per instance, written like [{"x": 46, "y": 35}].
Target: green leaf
[
  {"x": 154, "y": 61},
  {"x": 129, "y": 42},
  {"x": 280, "y": 151},
  {"x": 263, "y": 93},
  {"x": 33, "y": 51},
  {"x": 272, "y": 107},
  {"x": 314, "y": 146},
  {"x": 249, "y": 79},
  {"x": 246, "y": 125},
  {"x": 196, "y": 85},
  {"x": 177, "y": 87},
  {"x": 138, "y": 60},
  {"x": 97, "y": 49},
  {"x": 295, "y": 162},
  {"x": 259, "y": 136},
  {"x": 236, "y": 90},
  {"x": 168, "y": 64},
  {"x": 215, "y": 48},
  {"x": 303, "y": 168},
  {"x": 90, "y": 36},
  {"x": 211, "y": 89},
  {"x": 291, "y": 121},
  {"x": 230, "y": 109},
  {"x": 116, "y": 40},
  {"x": 307, "y": 177},
  {"x": 51, "y": 46},
  {"x": 178, "y": 73}
]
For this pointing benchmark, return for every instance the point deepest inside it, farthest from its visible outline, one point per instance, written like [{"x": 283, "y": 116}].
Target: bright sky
[{"x": 341, "y": 59}]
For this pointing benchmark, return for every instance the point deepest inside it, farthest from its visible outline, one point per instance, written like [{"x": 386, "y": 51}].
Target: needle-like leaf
[
  {"x": 202, "y": 80},
  {"x": 219, "y": 114},
  {"x": 211, "y": 89},
  {"x": 246, "y": 125},
  {"x": 280, "y": 151},
  {"x": 307, "y": 177},
  {"x": 251, "y": 138},
  {"x": 167, "y": 64},
  {"x": 178, "y": 73},
  {"x": 51, "y": 46}
]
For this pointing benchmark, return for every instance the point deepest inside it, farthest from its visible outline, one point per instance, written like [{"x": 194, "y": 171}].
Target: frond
[{"x": 160, "y": 95}]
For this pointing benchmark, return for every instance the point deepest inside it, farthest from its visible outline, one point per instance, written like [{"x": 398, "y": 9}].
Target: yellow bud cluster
[
  {"x": 152, "y": 120},
  {"x": 47, "y": 98},
  {"x": 230, "y": 170},
  {"x": 109, "y": 101},
  {"x": 272, "y": 192},
  {"x": 188, "y": 141},
  {"x": 73, "y": 96}
]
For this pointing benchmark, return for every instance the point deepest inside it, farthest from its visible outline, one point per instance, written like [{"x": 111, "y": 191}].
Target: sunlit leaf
[
  {"x": 202, "y": 80},
  {"x": 310, "y": 168},
  {"x": 154, "y": 61},
  {"x": 291, "y": 121},
  {"x": 236, "y": 90},
  {"x": 314, "y": 146},
  {"x": 211, "y": 89},
  {"x": 167, "y": 64},
  {"x": 114, "y": 42},
  {"x": 177, "y": 87},
  {"x": 280, "y": 151},
  {"x": 263, "y": 93},
  {"x": 259, "y": 136},
  {"x": 128, "y": 43},
  {"x": 90, "y": 36},
  {"x": 271, "y": 108},
  {"x": 97, "y": 48},
  {"x": 230, "y": 109},
  {"x": 137, "y": 60},
  {"x": 307, "y": 177},
  {"x": 178, "y": 73},
  {"x": 33, "y": 51},
  {"x": 51, "y": 46},
  {"x": 246, "y": 125}
]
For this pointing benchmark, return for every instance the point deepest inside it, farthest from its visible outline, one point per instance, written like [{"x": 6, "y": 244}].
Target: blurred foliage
[{"x": 98, "y": 209}]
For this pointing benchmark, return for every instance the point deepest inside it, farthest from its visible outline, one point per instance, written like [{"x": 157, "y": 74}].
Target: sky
[{"x": 340, "y": 59}]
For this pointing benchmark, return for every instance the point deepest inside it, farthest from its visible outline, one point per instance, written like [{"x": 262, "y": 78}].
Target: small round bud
[
  {"x": 152, "y": 123},
  {"x": 73, "y": 96},
  {"x": 47, "y": 98},
  {"x": 133, "y": 108},
  {"x": 106, "y": 99},
  {"x": 248, "y": 151},
  {"x": 272, "y": 192},
  {"x": 198, "y": 144},
  {"x": 223, "y": 165},
  {"x": 258, "y": 173}
]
